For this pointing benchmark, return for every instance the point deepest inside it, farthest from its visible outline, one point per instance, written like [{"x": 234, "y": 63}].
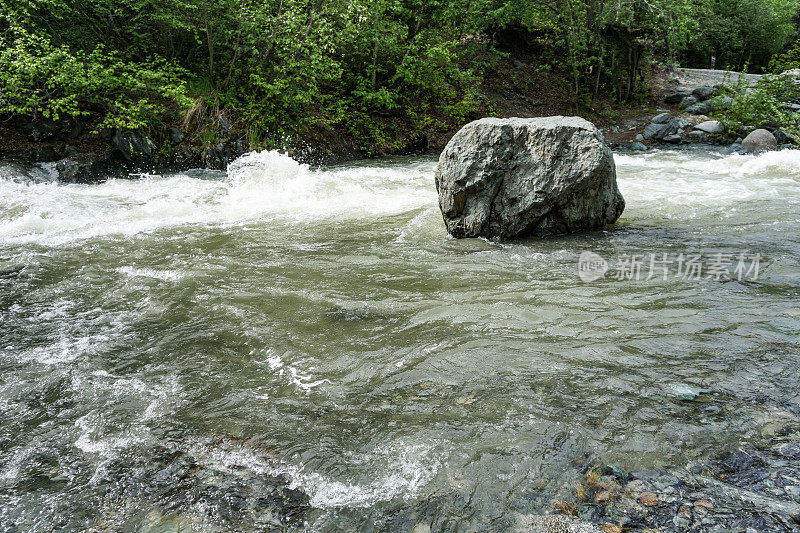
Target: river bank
[{"x": 78, "y": 150}]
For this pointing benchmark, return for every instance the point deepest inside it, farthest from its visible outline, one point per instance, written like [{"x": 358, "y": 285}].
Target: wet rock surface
[{"x": 175, "y": 482}]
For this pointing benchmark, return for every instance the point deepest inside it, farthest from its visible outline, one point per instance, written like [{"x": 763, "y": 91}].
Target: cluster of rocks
[
  {"x": 669, "y": 128},
  {"x": 177, "y": 483},
  {"x": 744, "y": 491},
  {"x": 692, "y": 125},
  {"x": 700, "y": 101}
]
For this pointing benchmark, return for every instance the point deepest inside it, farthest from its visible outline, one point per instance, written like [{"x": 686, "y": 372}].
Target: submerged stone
[{"x": 683, "y": 391}]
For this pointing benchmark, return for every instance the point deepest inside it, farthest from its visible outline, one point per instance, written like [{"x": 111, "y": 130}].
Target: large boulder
[
  {"x": 84, "y": 168},
  {"x": 760, "y": 141},
  {"x": 502, "y": 178}
]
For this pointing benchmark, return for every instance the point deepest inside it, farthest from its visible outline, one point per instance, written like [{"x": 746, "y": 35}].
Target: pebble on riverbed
[{"x": 749, "y": 489}]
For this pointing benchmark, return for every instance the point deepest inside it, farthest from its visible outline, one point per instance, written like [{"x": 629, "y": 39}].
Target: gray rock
[
  {"x": 502, "y": 178},
  {"x": 781, "y": 137},
  {"x": 672, "y": 139},
  {"x": 705, "y": 92},
  {"x": 176, "y": 135},
  {"x": 696, "y": 136},
  {"x": 639, "y": 137},
  {"x": 736, "y": 148},
  {"x": 552, "y": 524},
  {"x": 792, "y": 107},
  {"x": 661, "y": 131},
  {"x": 681, "y": 524},
  {"x": 134, "y": 146},
  {"x": 679, "y": 123},
  {"x": 700, "y": 108},
  {"x": 721, "y": 102},
  {"x": 688, "y": 101},
  {"x": 639, "y": 147},
  {"x": 759, "y": 141},
  {"x": 663, "y": 118},
  {"x": 82, "y": 168},
  {"x": 675, "y": 98},
  {"x": 710, "y": 126},
  {"x": 219, "y": 155},
  {"x": 654, "y": 131}
]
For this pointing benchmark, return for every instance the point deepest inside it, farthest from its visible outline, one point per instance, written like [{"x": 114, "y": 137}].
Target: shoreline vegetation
[{"x": 143, "y": 84}]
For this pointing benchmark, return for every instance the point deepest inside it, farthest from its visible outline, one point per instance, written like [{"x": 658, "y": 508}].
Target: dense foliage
[
  {"x": 743, "y": 106},
  {"x": 363, "y": 67}
]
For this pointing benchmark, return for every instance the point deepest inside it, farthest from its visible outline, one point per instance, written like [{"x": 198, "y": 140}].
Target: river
[{"x": 318, "y": 328}]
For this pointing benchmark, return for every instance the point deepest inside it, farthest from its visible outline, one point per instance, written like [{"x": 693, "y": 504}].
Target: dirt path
[{"x": 688, "y": 79}]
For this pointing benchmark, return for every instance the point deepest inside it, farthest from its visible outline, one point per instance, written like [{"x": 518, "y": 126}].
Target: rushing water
[{"x": 320, "y": 324}]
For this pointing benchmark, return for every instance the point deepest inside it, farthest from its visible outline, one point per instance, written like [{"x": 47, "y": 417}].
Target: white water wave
[
  {"x": 401, "y": 470},
  {"x": 269, "y": 186},
  {"x": 259, "y": 186}
]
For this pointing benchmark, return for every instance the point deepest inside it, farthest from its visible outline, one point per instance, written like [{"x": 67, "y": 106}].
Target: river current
[{"x": 320, "y": 326}]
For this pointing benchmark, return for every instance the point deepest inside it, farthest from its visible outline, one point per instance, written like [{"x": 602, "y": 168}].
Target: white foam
[
  {"x": 271, "y": 187},
  {"x": 684, "y": 184},
  {"x": 163, "y": 275},
  {"x": 397, "y": 470},
  {"x": 296, "y": 377},
  {"x": 259, "y": 186}
]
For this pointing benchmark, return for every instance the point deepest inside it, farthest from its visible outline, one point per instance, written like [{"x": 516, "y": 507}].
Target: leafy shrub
[
  {"x": 741, "y": 107},
  {"x": 40, "y": 78},
  {"x": 788, "y": 60}
]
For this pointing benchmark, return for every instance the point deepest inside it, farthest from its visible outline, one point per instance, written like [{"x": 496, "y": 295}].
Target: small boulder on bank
[
  {"x": 503, "y": 178},
  {"x": 781, "y": 137},
  {"x": 659, "y": 132},
  {"x": 134, "y": 146},
  {"x": 705, "y": 92},
  {"x": 760, "y": 141},
  {"x": 662, "y": 118},
  {"x": 710, "y": 126},
  {"x": 700, "y": 108},
  {"x": 675, "y": 98}
]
